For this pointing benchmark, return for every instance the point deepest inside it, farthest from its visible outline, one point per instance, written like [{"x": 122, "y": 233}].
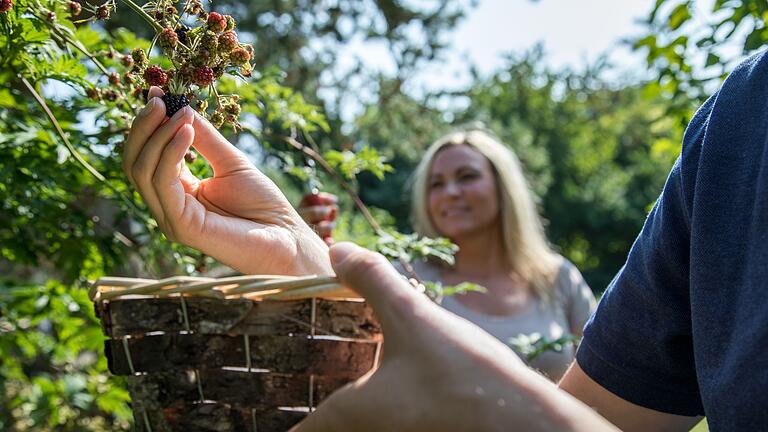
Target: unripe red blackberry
[
  {"x": 111, "y": 95},
  {"x": 129, "y": 78},
  {"x": 190, "y": 156},
  {"x": 203, "y": 76},
  {"x": 75, "y": 8},
  {"x": 155, "y": 76},
  {"x": 127, "y": 60},
  {"x": 51, "y": 16},
  {"x": 239, "y": 56},
  {"x": 114, "y": 78},
  {"x": 5, "y": 5},
  {"x": 93, "y": 94},
  {"x": 103, "y": 12},
  {"x": 228, "y": 41},
  {"x": 216, "y": 22},
  {"x": 168, "y": 39}
]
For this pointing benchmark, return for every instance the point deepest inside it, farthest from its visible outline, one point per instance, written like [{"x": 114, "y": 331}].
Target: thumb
[{"x": 392, "y": 298}]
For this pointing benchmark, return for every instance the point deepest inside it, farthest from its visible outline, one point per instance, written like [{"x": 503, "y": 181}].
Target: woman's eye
[
  {"x": 470, "y": 176},
  {"x": 435, "y": 185}
]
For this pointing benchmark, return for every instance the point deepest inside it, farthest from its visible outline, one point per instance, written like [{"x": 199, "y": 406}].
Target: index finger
[{"x": 144, "y": 125}]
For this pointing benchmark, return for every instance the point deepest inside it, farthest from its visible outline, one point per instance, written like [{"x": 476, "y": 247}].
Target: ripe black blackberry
[
  {"x": 181, "y": 32},
  {"x": 174, "y": 102}
]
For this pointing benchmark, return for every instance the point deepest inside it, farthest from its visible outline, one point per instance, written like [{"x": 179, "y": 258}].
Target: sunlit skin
[
  {"x": 463, "y": 196},
  {"x": 464, "y": 206}
]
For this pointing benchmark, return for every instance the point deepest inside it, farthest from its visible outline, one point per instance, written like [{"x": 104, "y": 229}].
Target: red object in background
[{"x": 323, "y": 200}]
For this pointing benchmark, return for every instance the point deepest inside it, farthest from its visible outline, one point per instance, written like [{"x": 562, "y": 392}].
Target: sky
[{"x": 574, "y": 33}]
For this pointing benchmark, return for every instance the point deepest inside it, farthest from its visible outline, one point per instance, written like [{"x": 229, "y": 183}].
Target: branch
[
  {"x": 71, "y": 149},
  {"x": 143, "y": 14},
  {"x": 352, "y": 193}
]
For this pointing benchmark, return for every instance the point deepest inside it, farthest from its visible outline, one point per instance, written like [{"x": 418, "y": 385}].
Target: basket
[{"x": 245, "y": 353}]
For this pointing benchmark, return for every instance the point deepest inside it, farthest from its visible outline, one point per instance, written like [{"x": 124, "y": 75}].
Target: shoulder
[{"x": 569, "y": 285}]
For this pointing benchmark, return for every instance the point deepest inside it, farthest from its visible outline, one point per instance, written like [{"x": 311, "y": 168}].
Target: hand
[
  {"x": 438, "y": 371},
  {"x": 237, "y": 216},
  {"x": 319, "y": 211}
]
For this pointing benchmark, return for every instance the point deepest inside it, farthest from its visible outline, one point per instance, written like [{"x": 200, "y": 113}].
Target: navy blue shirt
[{"x": 683, "y": 327}]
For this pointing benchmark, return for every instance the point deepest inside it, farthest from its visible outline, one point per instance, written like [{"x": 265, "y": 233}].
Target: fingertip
[
  {"x": 341, "y": 251},
  {"x": 155, "y": 91}
]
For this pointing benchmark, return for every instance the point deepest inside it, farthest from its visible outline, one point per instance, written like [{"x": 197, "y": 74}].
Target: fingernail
[
  {"x": 180, "y": 113},
  {"x": 149, "y": 107}
]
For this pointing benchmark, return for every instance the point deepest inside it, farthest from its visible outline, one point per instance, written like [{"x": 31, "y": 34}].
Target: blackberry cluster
[{"x": 174, "y": 102}]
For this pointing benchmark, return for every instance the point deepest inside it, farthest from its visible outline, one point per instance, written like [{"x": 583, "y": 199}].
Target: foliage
[
  {"x": 595, "y": 152},
  {"x": 68, "y": 213},
  {"x": 690, "y": 49},
  {"x": 52, "y": 375},
  {"x": 437, "y": 290},
  {"x": 533, "y": 345}
]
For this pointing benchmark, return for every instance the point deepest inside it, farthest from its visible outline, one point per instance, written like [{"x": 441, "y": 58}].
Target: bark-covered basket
[{"x": 244, "y": 353}]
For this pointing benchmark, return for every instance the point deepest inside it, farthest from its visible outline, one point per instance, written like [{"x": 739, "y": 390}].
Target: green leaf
[
  {"x": 712, "y": 59},
  {"x": 679, "y": 15}
]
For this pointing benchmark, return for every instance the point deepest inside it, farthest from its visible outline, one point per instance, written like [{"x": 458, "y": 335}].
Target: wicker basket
[{"x": 248, "y": 353}]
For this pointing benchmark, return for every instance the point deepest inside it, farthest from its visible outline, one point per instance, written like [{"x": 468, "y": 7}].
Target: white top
[{"x": 571, "y": 306}]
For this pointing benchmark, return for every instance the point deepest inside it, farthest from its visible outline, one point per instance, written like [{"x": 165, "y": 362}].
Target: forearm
[{"x": 626, "y": 415}]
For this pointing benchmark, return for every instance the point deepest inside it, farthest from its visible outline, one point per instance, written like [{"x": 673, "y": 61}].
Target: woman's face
[{"x": 462, "y": 192}]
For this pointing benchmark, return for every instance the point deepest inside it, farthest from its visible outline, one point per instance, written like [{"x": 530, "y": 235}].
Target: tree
[{"x": 690, "y": 49}]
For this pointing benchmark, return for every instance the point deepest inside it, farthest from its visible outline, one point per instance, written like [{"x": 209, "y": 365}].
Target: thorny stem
[
  {"x": 79, "y": 46},
  {"x": 138, "y": 9},
  {"x": 315, "y": 155},
  {"x": 71, "y": 149},
  {"x": 151, "y": 21}
]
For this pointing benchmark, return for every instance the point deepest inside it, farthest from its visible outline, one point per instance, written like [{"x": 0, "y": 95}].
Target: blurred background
[{"x": 593, "y": 96}]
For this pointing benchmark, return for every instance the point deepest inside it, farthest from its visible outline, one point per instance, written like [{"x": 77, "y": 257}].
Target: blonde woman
[{"x": 470, "y": 188}]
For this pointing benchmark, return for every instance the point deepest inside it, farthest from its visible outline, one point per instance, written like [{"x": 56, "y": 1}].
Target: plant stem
[
  {"x": 79, "y": 46},
  {"x": 71, "y": 149},
  {"x": 315, "y": 155},
  {"x": 136, "y": 8}
]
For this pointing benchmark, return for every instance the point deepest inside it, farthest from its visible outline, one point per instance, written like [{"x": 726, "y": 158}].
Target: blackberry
[
  {"x": 74, "y": 8},
  {"x": 168, "y": 39},
  {"x": 216, "y": 22},
  {"x": 155, "y": 76},
  {"x": 203, "y": 76},
  {"x": 181, "y": 32},
  {"x": 174, "y": 102}
]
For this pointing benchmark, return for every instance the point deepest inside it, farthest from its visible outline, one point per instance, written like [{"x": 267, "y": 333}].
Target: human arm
[
  {"x": 579, "y": 299},
  {"x": 438, "y": 371},
  {"x": 237, "y": 216},
  {"x": 625, "y": 415}
]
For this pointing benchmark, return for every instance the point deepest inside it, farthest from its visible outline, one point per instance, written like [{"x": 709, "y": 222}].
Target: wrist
[{"x": 311, "y": 252}]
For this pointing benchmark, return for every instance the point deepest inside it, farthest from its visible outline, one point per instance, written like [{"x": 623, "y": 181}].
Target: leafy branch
[
  {"x": 533, "y": 345},
  {"x": 71, "y": 149}
]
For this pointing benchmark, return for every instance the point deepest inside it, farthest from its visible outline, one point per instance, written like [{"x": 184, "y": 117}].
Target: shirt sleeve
[{"x": 638, "y": 343}]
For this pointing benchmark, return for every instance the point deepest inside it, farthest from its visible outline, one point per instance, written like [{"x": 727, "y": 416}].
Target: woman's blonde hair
[{"x": 525, "y": 244}]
